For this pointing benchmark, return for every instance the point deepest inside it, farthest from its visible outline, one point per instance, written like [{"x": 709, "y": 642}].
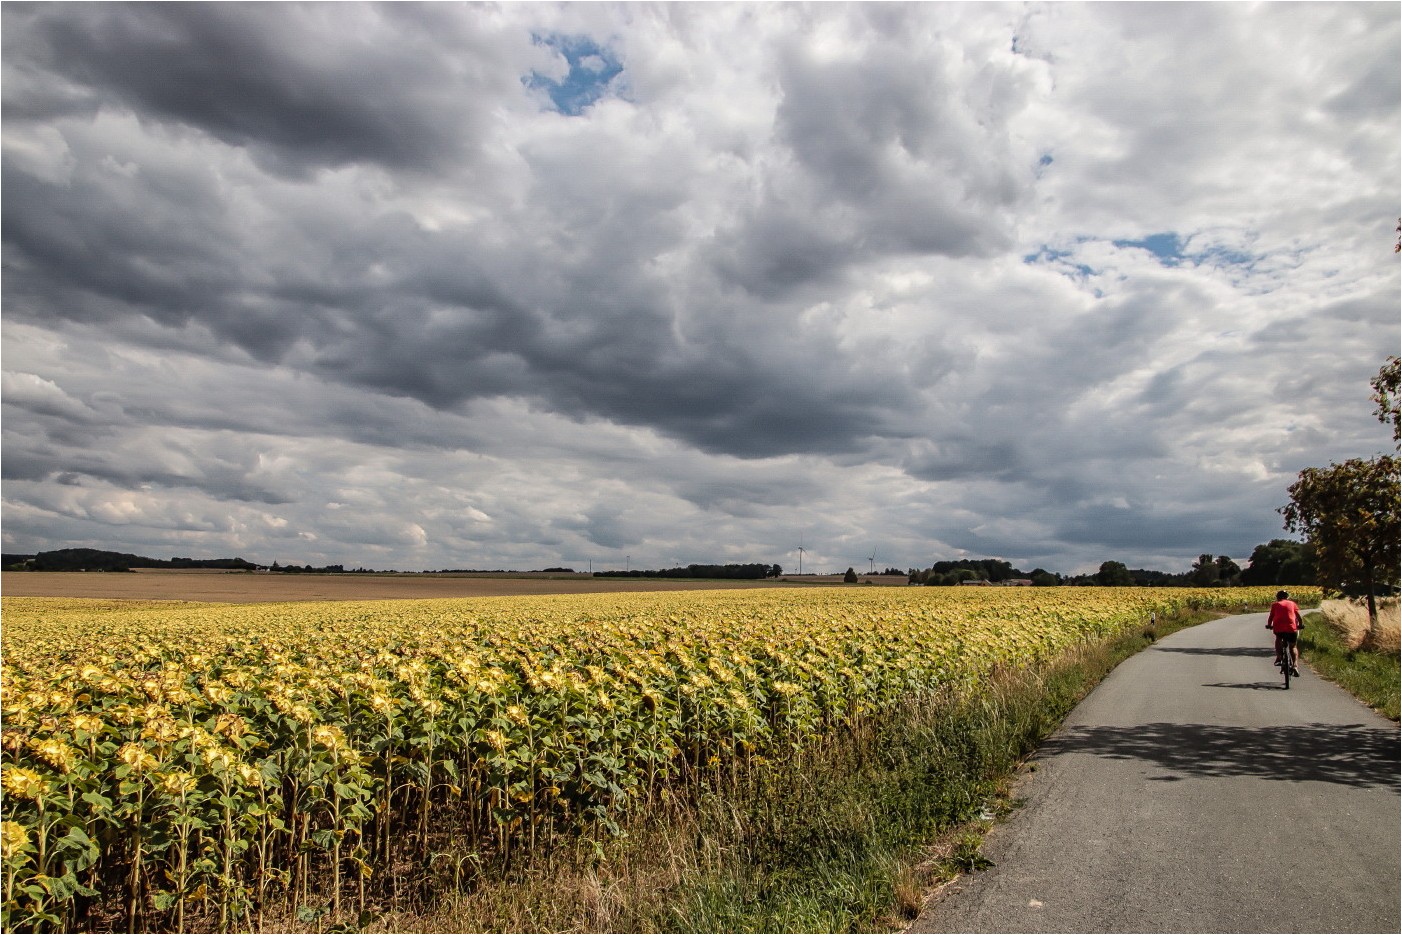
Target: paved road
[{"x": 1150, "y": 810}]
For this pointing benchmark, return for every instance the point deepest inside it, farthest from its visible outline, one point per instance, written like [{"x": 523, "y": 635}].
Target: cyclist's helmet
[{"x": 1282, "y": 595}]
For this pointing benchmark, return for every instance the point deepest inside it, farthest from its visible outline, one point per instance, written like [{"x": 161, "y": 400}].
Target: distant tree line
[
  {"x": 1207, "y": 572},
  {"x": 500, "y": 571},
  {"x": 313, "y": 570},
  {"x": 980, "y": 569},
  {"x": 741, "y": 572},
  {"x": 100, "y": 560},
  {"x": 1279, "y": 561}
]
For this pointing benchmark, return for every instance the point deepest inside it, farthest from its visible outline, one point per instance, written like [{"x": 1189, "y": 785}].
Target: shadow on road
[
  {"x": 1347, "y": 754},
  {"x": 1267, "y": 651},
  {"x": 1274, "y": 686}
]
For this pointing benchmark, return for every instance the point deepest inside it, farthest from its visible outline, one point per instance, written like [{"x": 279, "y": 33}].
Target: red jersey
[{"x": 1284, "y": 617}]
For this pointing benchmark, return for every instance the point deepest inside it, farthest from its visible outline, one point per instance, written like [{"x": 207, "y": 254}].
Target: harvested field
[{"x": 156, "y": 584}]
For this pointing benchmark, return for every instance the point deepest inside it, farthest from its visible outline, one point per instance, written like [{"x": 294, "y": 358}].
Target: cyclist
[{"x": 1285, "y": 620}]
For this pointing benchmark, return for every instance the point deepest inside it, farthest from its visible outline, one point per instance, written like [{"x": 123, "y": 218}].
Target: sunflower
[
  {"x": 23, "y": 783},
  {"x": 14, "y": 840}
]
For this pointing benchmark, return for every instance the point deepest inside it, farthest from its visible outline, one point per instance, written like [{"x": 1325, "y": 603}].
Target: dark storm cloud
[
  {"x": 1117, "y": 528},
  {"x": 302, "y": 84},
  {"x": 452, "y": 317},
  {"x": 89, "y": 251},
  {"x": 965, "y": 454},
  {"x": 778, "y": 250}
]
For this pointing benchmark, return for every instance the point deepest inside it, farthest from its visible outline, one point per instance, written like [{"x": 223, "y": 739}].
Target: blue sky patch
[
  {"x": 1172, "y": 250},
  {"x": 1050, "y": 255},
  {"x": 592, "y": 67},
  {"x": 1168, "y": 247}
]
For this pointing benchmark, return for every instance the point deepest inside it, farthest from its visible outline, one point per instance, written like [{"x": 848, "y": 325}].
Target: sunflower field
[{"x": 180, "y": 766}]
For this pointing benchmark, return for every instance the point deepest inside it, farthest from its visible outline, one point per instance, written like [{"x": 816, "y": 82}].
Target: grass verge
[
  {"x": 848, "y": 835},
  {"x": 1371, "y": 677}
]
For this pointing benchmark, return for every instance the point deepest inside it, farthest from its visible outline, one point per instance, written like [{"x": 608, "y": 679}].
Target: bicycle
[{"x": 1283, "y": 659}]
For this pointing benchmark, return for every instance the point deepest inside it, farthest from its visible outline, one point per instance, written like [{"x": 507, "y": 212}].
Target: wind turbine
[
  {"x": 801, "y": 550},
  {"x": 872, "y": 558}
]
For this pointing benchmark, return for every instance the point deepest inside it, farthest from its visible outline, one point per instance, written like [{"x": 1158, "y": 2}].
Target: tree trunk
[{"x": 1373, "y": 634}]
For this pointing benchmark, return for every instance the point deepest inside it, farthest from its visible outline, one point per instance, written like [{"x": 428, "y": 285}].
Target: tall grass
[
  {"x": 849, "y": 835},
  {"x": 1333, "y": 643},
  {"x": 1349, "y": 619}
]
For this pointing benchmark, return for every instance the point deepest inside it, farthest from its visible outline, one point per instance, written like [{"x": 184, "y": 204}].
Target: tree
[
  {"x": 1205, "y": 571},
  {"x": 1228, "y": 571},
  {"x": 1388, "y": 398},
  {"x": 1114, "y": 574},
  {"x": 1349, "y": 514},
  {"x": 850, "y": 577},
  {"x": 1280, "y": 561}
]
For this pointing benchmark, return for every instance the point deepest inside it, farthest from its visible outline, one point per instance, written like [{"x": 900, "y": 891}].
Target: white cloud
[{"x": 857, "y": 273}]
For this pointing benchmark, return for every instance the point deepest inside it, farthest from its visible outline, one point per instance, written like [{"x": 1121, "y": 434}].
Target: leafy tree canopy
[
  {"x": 1349, "y": 514},
  {"x": 1279, "y": 562},
  {"x": 1114, "y": 574},
  {"x": 1388, "y": 398}
]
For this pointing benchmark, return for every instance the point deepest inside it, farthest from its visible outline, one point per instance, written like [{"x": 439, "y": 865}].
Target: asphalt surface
[{"x": 1191, "y": 793}]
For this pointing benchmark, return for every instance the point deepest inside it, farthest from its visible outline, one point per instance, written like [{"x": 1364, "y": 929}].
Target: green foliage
[
  {"x": 1205, "y": 571},
  {"x": 751, "y": 572},
  {"x": 986, "y": 569},
  {"x": 101, "y": 560},
  {"x": 1228, "y": 571},
  {"x": 1387, "y": 397},
  {"x": 1349, "y": 514},
  {"x": 1209, "y": 572},
  {"x": 1114, "y": 574},
  {"x": 1280, "y": 561}
]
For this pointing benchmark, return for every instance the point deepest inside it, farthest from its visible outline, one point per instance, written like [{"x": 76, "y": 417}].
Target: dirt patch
[{"x": 254, "y": 588}]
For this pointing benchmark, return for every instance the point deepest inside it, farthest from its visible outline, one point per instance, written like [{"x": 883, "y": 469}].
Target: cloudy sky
[{"x": 509, "y": 286}]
